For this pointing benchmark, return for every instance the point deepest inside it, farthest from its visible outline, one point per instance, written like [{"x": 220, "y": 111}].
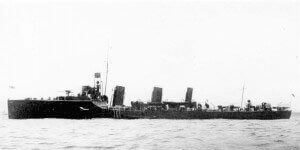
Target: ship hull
[
  {"x": 75, "y": 109},
  {"x": 197, "y": 114},
  {"x": 85, "y": 109}
]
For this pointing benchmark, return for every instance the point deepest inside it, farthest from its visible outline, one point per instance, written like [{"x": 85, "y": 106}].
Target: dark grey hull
[
  {"x": 75, "y": 109},
  {"x": 85, "y": 109},
  {"x": 197, "y": 114}
]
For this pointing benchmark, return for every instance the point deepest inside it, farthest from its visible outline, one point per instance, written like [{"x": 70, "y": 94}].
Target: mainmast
[
  {"x": 106, "y": 68},
  {"x": 243, "y": 95}
]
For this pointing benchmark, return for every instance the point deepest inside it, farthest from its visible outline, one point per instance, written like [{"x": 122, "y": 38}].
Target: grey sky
[{"x": 212, "y": 46}]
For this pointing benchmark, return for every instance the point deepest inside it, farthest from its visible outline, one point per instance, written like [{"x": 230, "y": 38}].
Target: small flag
[{"x": 97, "y": 75}]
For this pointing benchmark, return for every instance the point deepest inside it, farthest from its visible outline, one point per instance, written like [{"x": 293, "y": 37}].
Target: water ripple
[{"x": 149, "y": 134}]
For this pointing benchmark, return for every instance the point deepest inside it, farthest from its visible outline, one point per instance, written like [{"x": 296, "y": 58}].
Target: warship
[{"x": 91, "y": 103}]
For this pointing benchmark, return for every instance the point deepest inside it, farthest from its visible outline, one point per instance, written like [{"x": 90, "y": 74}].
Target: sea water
[{"x": 150, "y": 134}]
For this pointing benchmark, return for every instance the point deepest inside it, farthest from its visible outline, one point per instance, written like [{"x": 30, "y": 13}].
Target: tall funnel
[
  {"x": 156, "y": 95},
  {"x": 118, "y": 97},
  {"x": 189, "y": 95}
]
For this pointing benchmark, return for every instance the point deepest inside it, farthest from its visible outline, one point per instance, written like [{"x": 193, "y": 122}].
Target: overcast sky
[{"x": 213, "y": 46}]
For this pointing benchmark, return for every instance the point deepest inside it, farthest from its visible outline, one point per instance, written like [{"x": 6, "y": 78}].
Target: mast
[
  {"x": 106, "y": 68},
  {"x": 243, "y": 95}
]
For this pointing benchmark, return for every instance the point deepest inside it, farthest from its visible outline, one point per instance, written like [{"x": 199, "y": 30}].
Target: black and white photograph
[{"x": 150, "y": 74}]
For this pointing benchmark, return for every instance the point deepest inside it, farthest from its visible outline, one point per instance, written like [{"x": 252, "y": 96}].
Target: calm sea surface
[{"x": 149, "y": 134}]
